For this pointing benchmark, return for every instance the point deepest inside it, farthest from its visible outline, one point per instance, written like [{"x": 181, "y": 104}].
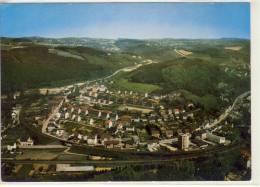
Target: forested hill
[{"x": 28, "y": 65}]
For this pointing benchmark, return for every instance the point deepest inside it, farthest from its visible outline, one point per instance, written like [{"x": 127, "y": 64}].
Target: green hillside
[{"x": 30, "y": 66}]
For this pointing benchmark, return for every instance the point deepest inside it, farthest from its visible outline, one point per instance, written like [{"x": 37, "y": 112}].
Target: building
[
  {"x": 109, "y": 123},
  {"x": 184, "y": 141},
  {"x": 213, "y": 138},
  {"x": 91, "y": 121},
  {"x": 99, "y": 114},
  {"x": 60, "y": 132},
  {"x": 79, "y": 119},
  {"x": 11, "y": 147},
  {"x": 155, "y": 133},
  {"x": 67, "y": 115},
  {"x": 26, "y": 142},
  {"x": 169, "y": 133},
  {"x": 68, "y": 167},
  {"x": 112, "y": 144}
]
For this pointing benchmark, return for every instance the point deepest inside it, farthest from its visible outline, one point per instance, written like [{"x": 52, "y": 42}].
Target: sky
[{"x": 126, "y": 20}]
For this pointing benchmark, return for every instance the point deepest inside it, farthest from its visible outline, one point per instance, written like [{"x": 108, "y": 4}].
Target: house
[
  {"x": 176, "y": 111},
  {"x": 92, "y": 141},
  {"x": 67, "y": 115},
  {"x": 190, "y": 115},
  {"x": 169, "y": 133},
  {"x": 79, "y": 119},
  {"x": 109, "y": 123},
  {"x": 51, "y": 127},
  {"x": 116, "y": 118},
  {"x": 246, "y": 155},
  {"x": 111, "y": 144},
  {"x": 136, "y": 120},
  {"x": 129, "y": 144},
  {"x": 79, "y": 111},
  {"x": 60, "y": 132},
  {"x": 126, "y": 119},
  {"x": 91, "y": 121},
  {"x": 26, "y": 142},
  {"x": 190, "y": 105},
  {"x": 153, "y": 147},
  {"x": 136, "y": 139},
  {"x": 58, "y": 115},
  {"x": 184, "y": 117},
  {"x": 155, "y": 133},
  {"x": 11, "y": 147},
  {"x": 99, "y": 114},
  {"x": 130, "y": 129},
  {"x": 73, "y": 117},
  {"x": 80, "y": 136}
]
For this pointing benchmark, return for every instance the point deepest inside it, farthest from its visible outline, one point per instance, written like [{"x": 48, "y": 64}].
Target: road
[
  {"x": 136, "y": 161},
  {"x": 223, "y": 116},
  {"x": 56, "y": 110},
  {"x": 125, "y": 69}
]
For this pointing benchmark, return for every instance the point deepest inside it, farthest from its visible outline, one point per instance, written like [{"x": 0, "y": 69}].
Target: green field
[
  {"x": 36, "y": 154},
  {"x": 124, "y": 84}
]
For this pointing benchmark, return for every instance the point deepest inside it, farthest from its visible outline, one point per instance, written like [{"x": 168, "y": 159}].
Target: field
[
  {"x": 65, "y": 54},
  {"x": 33, "y": 154},
  {"x": 143, "y": 110},
  {"x": 183, "y": 52},
  {"x": 235, "y": 48},
  {"x": 125, "y": 84}
]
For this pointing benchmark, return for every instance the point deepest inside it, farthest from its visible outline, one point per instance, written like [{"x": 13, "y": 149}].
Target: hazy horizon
[{"x": 79, "y": 37}]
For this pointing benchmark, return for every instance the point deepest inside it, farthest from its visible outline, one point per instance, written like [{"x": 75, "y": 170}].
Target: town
[{"x": 91, "y": 114}]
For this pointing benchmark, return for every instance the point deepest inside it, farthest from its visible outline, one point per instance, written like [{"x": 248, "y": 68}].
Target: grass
[
  {"x": 124, "y": 84},
  {"x": 24, "y": 171},
  {"x": 65, "y": 54},
  {"x": 45, "y": 154},
  {"x": 71, "y": 157}
]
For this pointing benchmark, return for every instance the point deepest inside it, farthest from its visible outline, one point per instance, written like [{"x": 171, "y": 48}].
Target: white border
[{"x": 255, "y": 91}]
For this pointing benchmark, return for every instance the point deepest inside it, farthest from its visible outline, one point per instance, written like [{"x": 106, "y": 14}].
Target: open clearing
[
  {"x": 143, "y": 110},
  {"x": 65, "y": 54},
  {"x": 183, "y": 52},
  {"x": 124, "y": 84},
  {"x": 39, "y": 154},
  {"x": 234, "y": 48}
]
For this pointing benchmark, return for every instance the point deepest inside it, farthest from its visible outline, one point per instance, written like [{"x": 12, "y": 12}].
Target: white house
[
  {"x": 79, "y": 111},
  {"x": 28, "y": 142},
  {"x": 91, "y": 121},
  {"x": 73, "y": 117},
  {"x": 67, "y": 115},
  {"x": 79, "y": 119},
  {"x": 60, "y": 132}
]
